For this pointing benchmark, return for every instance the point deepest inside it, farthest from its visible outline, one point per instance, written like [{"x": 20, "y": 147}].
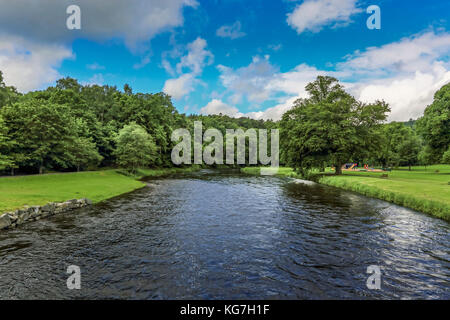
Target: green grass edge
[
  {"x": 434, "y": 208},
  {"x": 431, "y": 207},
  {"x": 98, "y": 186}
]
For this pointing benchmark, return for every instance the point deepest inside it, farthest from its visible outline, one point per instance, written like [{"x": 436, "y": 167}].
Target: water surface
[{"x": 224, "y": 235}]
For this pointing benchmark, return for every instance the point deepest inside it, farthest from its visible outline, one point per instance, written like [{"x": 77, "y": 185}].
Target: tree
[
  {"x": 446, "y": 157},
  {"x": 68, "y": 84},
  {"x": 425, "y": 156},
  {"x": 409, "y": 150},
  {"x": 8, "y": 95},
  {"x": 135, "y": 147},
  {"x": 395, "y": 134},
  {"x": 435, "y": 123},
  {"x": 83, "y": 152},
  {"x": 330, "y": 126},
  {"x": 5, "y": 144},
  {"x": 42, "y": 131}
]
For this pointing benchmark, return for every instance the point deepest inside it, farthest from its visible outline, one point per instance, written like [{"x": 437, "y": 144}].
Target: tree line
[
  {"x": 331, "y": 128},
  {"x": 71, "y": 126}
]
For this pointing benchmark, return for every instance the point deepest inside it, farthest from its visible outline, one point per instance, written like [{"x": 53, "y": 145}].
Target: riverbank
[
  {"x": 38, "y": 190},
  {"x": 423, "y": 189}
]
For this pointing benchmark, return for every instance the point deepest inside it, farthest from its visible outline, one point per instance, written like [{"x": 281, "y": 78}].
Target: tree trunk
[
  {"x": 78, "y": 168},
  {"x": 41, "y": 169},
  {"x": 338, "y": 169},
  {"x": 12, "y": 171}
]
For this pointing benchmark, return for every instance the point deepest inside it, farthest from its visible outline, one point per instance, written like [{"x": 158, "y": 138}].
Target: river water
[{"x": 225, "y": 235}]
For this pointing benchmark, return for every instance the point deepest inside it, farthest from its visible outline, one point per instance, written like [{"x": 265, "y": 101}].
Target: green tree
[
  {"x": 42, "y": 131},
  {"x": 5, "y": 145},
  {"x": 330, "y": 126},
  {"x": 409, "y": 150},
  {"x": 8, "y": 95},
  {"x": 83, "y": 152},
  {"x": 425, "y": 156},
  {"x": 135, "y": 147},
  {"x": 435, "y": 123},
  {"x": 446, "y": 157},
  {"x": 395, "y": 134}
]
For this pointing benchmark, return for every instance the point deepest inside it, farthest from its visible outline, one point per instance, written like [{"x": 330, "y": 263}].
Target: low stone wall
[{"x": 12, "y": 219}]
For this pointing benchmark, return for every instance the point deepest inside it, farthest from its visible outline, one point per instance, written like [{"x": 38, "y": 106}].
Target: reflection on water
[{"x": 223, "y": 235}]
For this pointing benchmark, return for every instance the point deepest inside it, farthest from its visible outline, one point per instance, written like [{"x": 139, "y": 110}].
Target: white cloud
[
  {"x": 407, "y": 95},
  {"x": 407, "y": 55},
  {"x": 231, "y": 31},
  {"x": 249, "y": 81},
  {"x": 197, "y": 58},
  {"x": 275, "y": 112},
  {"x": 313, "y": 15},
  {"x": 28, "y": 65},
  {"x": 217, "y": 106},
  {"x": 293, "y": 82},
  {"x": 34, "y": 39},
  {"x": 134, "y": 21},
  {"x": 406, "y": 74},
  {"x": 194, "y": 61},
  {"x": 179, "y": 87}
]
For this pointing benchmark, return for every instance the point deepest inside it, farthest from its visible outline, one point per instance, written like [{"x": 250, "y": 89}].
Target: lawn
[
  {"x": 425, "y": 189},
  {"x": 16, "y": 192}
]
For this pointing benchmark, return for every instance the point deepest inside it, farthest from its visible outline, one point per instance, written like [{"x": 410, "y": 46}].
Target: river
[{"x": 225, "y": 235}]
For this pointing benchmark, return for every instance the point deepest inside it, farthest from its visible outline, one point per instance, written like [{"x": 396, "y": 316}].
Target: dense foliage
[
  {"x": 71, "y": 127},
  {"x": 434, "y": 126},
  {"x": 135, "y": 147},
  {"x": 330, "y": 127}
]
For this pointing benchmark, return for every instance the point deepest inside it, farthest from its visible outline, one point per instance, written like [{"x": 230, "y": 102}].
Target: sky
[{"x": 248, "y": 58}]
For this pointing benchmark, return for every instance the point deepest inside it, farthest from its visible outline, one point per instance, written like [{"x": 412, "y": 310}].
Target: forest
[{"x": 75, "y": 127}]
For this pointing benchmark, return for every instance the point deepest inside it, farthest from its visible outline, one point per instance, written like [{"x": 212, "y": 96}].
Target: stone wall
[{"x": 12, "y": 219}]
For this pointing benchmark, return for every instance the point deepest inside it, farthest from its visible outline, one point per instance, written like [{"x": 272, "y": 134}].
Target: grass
[
  {"x": 16, "y": 192},
  {"x": 422, "y": 189}
]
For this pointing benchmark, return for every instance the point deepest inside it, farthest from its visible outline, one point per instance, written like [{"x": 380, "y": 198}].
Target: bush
[
  {"x": 135, "y": 147},
  {"x": 446, "y": 157}
]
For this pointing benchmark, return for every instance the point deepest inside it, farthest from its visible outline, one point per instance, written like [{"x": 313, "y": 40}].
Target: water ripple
[{"x": 222, "y": 235}]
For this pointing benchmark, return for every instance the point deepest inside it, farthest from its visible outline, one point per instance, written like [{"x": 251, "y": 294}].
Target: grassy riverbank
[
  {"x": 16, "y": 192},
  {"x": 422, "y": 189}
]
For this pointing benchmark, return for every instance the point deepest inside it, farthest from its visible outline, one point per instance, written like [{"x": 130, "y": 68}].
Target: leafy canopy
[
  {"x": 330, "y": 126},
  {"x": 135, "y": 147}
]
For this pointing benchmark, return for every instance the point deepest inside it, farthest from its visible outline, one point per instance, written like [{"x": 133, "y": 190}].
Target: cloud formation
[
  {"x": 197, "y": 57},
  {"x": 217, "y": 106},
  {"x": 406, "y": 74},
  {"x": 34, "y": 38},
  {"x": 177, "y": 88},
  {"x": 249, "y": 81},
  {"x": 231, "y": 31},
  {"x": 29, "y": 65},
  {"x": 314, "y": 15},
  {"x": 134, "y": 20},
  {"x": 190, "y": 67}
]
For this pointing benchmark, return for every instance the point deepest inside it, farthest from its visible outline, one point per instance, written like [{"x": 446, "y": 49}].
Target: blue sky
[{"x": 246, "y": 57}]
